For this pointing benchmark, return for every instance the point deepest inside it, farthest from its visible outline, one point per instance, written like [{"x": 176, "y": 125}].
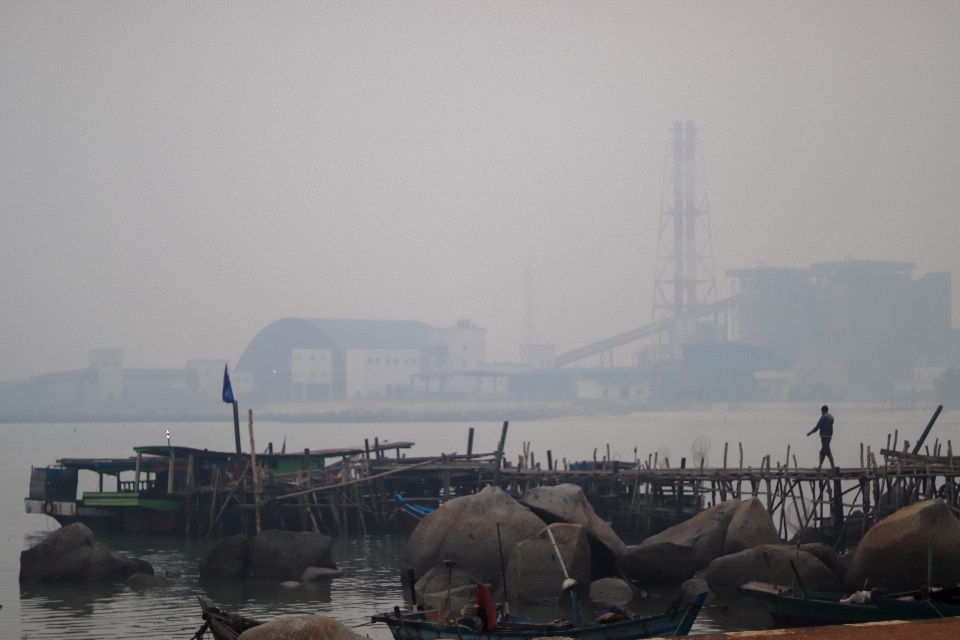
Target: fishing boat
[
  {"x": 925, "y": 603},
  {"x": 789, "y": 607},
  {"x": 159, "y": 488},
  {"x": 221, "y": 624},
  {"x": 427, "y": 624},
  {"x": 811, "y": 607},
  {"x": 411, "y": 513}
]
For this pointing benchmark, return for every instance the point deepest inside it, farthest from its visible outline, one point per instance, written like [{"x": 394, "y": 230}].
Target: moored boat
[
  {"x": 426, "y": 624},
  {"x": 790, "y": 607},
  {"x": 161, "y": 488},
  {"x": 925, "y": 603},
  {"x": 411, "y": 513},
  {"x": 221, "y": 624}
]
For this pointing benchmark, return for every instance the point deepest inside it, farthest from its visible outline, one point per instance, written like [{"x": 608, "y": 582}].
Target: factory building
[
  {"x": 853, "y": 328},
  {"x": 297, "y": 359},
  {"x": 106, "y": 386}
]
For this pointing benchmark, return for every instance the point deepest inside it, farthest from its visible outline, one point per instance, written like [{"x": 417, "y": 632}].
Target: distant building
[
  {"x": 849, "y": 327},
  {"x": 269, "y": 358},
  {"x": 538, "y": 356},
  {"x": 106, "y": 386},
  {"x": 923, "y": 382},
  {"x": 108, "y": 366},
  {"x": 366, "y": 359},
  {"x": 459, "y": 348},
  {"x": 381, "y": 373},
  {"x": 311, "y": 374},
  {"x": 207, "y": 378}
]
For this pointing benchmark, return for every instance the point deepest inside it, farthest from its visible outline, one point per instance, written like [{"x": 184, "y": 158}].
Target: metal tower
[{"x": 684, "y": 270}]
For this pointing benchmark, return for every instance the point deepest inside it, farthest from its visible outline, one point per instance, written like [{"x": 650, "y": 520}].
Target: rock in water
[
  {"x": 227, "y": 560},
  {"x": 441, "y": 582},
  {"x": 72, "y": 554},
  {"x": 674, "y": 555},
  {"x": 739, "y": 568},
  {"x": 829, "y": 557},
  {"x": 566, "y": 503},
  {"x": 316, "y": 574},
  {"x": 534, "y": 573},
  {"x": 142, "y": 582},
  {"x": 303, "y": 627},
  {"x": 695, "y": 585},
  {"x": 893, "y": 554},
  {"x": 611, "y": 591},
  {"x": 465, "y": 530},
  {"x": 750, "y": 526},
  {"x": 285, "y": 555}
]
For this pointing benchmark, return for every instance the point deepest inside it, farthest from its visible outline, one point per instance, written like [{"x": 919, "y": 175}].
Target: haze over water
[
  {"x": 176, "y": 176},
  {"x": 371, "y": 566}
]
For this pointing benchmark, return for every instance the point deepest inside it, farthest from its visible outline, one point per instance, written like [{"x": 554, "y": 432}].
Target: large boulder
[
  {"x": 285, "y": 555},
  {"x": 750, "y": 526},
  {"x": 534, "y": 573},
  {"x": 567, "y": 503},
  {"x": 829, "y": 557},
  {"x": 319, "y": 574},
  {"x": 893, "y": 554},
  {"x": 302, "y": 627},
  {"x": 611, "y": 591},
  {"x": 697, "y": 585},
  {"x": 441, "y": 582},
  {"x": 750, "y": 565},
  {"x": 72, "y": 554},
  {"x": 226, "y": 560},
  {"x": 674, "y": 555},
  {"x": 465, "y": 530}
]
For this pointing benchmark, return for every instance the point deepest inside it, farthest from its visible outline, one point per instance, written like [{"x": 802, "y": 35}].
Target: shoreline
[
  {"x": 444, "y": 411},
  {"x": 938, "y": 629}
]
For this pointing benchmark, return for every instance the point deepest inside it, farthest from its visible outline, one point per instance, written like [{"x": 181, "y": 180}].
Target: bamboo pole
[
  {"x": 239, "y": 482},
  {"x": 499, "y": 463},
  {"x": 255, "y": 468},
  {"x": 189, "y": 488},
  {"x": 358, "y": 480},
  {"x": 739, "y": 496},
  {"x": 214, "y": 487}
]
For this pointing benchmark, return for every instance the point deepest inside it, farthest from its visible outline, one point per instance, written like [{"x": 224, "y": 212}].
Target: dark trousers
[{"x": 825, "y": 450}]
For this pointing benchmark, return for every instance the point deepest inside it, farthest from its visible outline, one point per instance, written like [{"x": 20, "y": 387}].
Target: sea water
[{"x": 370, "y": 564}]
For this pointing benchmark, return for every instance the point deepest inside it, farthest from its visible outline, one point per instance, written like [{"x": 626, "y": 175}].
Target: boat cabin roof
[{"x": 154, "y": 457}]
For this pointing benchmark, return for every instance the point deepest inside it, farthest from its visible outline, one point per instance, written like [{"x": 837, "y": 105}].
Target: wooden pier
[{"x": 640, "y": 498}]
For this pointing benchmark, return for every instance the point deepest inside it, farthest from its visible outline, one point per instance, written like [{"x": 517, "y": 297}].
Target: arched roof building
[{"x": 268, "y": 356}]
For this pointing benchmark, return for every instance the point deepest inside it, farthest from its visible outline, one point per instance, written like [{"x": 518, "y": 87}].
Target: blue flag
[{"x": 227, "y": 389}]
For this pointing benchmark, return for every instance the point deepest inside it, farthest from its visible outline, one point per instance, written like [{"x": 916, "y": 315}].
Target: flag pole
[
  {"x": 228, "y": 397},
  {"x": 236, "y": 427}
]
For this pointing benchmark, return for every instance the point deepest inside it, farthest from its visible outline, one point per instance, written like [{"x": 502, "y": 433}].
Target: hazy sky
[{"x": 175, "y": 176}]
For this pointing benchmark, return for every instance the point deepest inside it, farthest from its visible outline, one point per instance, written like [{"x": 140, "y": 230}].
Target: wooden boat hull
[
  {"x": 822, "y": 608},
  {"x": 417, "y": 627},
  {"x": 918, "y": 609},
  {"x": 411, "y": 514}
]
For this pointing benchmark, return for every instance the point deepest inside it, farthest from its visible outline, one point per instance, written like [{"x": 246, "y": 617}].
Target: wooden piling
[
  {"x": 189, "y": 488},
  {"x": 214, "y": 488},
  {"x": 499, "y": 454},
  {"x": 255, "y": 470}
]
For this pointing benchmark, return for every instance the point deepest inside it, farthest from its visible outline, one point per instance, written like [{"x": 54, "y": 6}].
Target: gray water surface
[{"x": 371, "y": 564}]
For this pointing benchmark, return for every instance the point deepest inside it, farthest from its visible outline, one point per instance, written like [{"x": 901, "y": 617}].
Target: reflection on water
[{"x": 370, "y": 583}]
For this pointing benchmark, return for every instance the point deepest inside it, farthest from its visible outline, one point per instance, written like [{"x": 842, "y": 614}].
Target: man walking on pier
[{"x": 825, "y": 427}]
